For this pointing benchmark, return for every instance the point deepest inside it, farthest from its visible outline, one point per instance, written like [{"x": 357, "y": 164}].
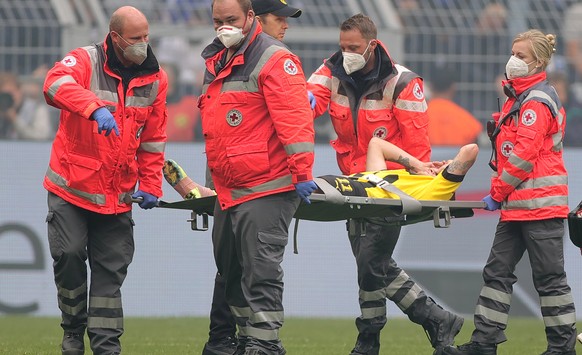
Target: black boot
[
  {"x": 441, "y": 327},
  {"x": 367, "y": 344},
  {"x": 471, "y": 348},
  {"x": 548, "y": 352},
  {"x": 225, "y": 346},
  {"x": 73, "y": 344},
  {"x": 257, "y": 351}
]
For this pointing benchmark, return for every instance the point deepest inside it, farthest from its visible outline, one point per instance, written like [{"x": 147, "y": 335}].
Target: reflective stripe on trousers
[
  {"x": 75, "y": 235},
  {"x": 543, "y": 240},
  {"x": 249, "y": 242},
  {"x": 379, "y": 277}
]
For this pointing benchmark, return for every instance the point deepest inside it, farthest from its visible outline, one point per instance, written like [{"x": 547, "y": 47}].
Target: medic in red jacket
[
  {"x": 531, "y": 179},
  {"x": 91, "y": 170},
  {"x": 256, "y": 120},
  {"x": 392, "y": 108}
]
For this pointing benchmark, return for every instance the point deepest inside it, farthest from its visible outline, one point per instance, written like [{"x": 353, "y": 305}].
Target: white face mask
[
  {"x": 355, "y": 61},
  {"x": 517, "y": 68},
  {"x": 135, "y": 53},
  {"x": 230, "y": 36}
]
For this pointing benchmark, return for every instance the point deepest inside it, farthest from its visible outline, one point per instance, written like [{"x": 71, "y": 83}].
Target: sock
[{"x": 186, "y": 187}]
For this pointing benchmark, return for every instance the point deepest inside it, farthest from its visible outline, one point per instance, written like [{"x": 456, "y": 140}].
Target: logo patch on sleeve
[
  {"x": 69, "y": 61},
  {"x": 528, "y": 117},
  {"x": 290, "y": 67},
  {"x": 506, "y": 148},
  {"x": 417, "y": 91}
]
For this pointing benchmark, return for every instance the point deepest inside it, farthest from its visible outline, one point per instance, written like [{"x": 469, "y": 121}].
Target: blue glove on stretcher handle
[
  {"x": 312, "y": 99},
  {"x": 105, "y": 121},
  {"x": 492, "y": 205},
  {"x": 148, "y": 201},
  {"x": 304, "y": 189}
]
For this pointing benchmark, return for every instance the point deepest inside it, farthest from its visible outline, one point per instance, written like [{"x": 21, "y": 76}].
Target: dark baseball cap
[{"x": 275, "y": 7}]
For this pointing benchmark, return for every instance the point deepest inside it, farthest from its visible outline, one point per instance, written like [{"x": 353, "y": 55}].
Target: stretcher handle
[{"x": 129, "y": 200}]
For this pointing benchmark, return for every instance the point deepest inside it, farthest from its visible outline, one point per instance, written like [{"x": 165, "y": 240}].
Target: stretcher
[{"x": 328, "y": 204}]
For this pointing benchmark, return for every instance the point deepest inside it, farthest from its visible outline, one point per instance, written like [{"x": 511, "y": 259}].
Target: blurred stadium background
[
  {"x": 473, "y": 37},
  {"x": 173, "y": 270}
]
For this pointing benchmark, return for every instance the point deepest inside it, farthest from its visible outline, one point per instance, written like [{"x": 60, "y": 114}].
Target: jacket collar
[{"x": 519, "y": 85}]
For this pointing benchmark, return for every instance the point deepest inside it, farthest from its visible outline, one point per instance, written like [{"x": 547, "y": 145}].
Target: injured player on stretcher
[{"x": 436, "y": 180}]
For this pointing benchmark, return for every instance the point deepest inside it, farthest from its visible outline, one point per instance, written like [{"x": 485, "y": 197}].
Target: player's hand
[
  {"x": 312, "y": 99},
  {"x": 304, "y": 189},
  {"x": 491, "y": 204},
  {"x": 423, "y": 168},
  {"x": 147, "y": 200},
  {"x": 105, "y": 121}
]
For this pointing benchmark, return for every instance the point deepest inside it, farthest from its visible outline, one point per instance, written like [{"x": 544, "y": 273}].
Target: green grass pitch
[{"x": 301, "y": 336}]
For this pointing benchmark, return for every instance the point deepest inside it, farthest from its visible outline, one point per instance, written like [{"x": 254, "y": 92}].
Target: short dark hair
[
  {"x": 245, "y": 5},
  {"x": 361, "y": 23}
]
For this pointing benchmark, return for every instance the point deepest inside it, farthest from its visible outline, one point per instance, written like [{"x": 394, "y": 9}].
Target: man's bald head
[
  {"x": 128, "y": 26},
  {"x": 124, "y": 15}
]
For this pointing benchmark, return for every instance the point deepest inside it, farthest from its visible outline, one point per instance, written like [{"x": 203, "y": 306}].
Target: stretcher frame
[{"x": 326, "y": 207}]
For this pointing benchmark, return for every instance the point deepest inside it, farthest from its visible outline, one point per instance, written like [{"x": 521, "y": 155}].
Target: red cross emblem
[
  {"x": 417, "y": 91},
  {"x": 69, "y": 61},
  {"x": 234, "y": 118},
  {"x": 380, "y": 132},
  {"x": 528, "y": 117},
  {"x": 290, "y": 67},
  {"x": 506, "y": 148}
]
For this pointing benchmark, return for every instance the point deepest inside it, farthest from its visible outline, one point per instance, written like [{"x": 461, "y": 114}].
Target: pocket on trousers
[
  {"x": 55, "y": 247},
  {"x": 547, "y": 229},
  {"x": 273, "y": 239},
  {"x": 270, "y": 250}
]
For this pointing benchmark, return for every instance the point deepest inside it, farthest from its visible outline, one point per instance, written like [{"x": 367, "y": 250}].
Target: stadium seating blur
[{"x": 472, "y": 36}]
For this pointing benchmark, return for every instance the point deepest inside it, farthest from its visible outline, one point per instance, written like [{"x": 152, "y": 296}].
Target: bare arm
[{"x": 380, "y": 150}]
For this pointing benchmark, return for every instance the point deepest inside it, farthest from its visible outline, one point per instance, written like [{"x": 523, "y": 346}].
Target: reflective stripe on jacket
[
  {"x": 256, "y": 120},
  {"x": 393, "y": 108},
  {"x": 531, "y": 179},
  {"x": 91, "y": 170}
]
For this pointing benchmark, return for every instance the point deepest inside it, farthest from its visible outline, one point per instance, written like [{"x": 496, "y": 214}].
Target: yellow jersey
[{"x": 420, "y": 187}]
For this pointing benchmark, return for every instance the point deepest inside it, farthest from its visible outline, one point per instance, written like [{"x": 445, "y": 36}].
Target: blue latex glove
[
  {"x": 304, "y": 189},
  {"x": 492, "y": 205},
  {"x": 105, "y": 121},
  {"x": 312, "y": 99},
  {"x": 148, "y": 201}
]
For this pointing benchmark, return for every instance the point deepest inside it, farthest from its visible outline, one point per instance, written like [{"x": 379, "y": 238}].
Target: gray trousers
[
  {"x": 249, "y": 242},
  {"x": 379, "y": 278},
  {"x": 76, "y": 235},
  {"x": 543, "y": 240}
]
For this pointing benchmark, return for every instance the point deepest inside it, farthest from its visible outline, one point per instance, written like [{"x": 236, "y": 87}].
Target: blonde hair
[{"x": 542, "y": 45}]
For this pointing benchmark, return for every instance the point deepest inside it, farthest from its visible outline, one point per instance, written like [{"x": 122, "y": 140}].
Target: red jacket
[
  {"x": 392, "y": 108},
  {"x": 88, "y": 169},
  {"x": 531, "y": 179},
  {"x": 256, "y": 120}
]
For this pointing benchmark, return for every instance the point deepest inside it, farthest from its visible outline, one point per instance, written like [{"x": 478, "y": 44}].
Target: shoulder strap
[
  {"x": 332, "y": 195},
  {"x": 409, "y": 204}
]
